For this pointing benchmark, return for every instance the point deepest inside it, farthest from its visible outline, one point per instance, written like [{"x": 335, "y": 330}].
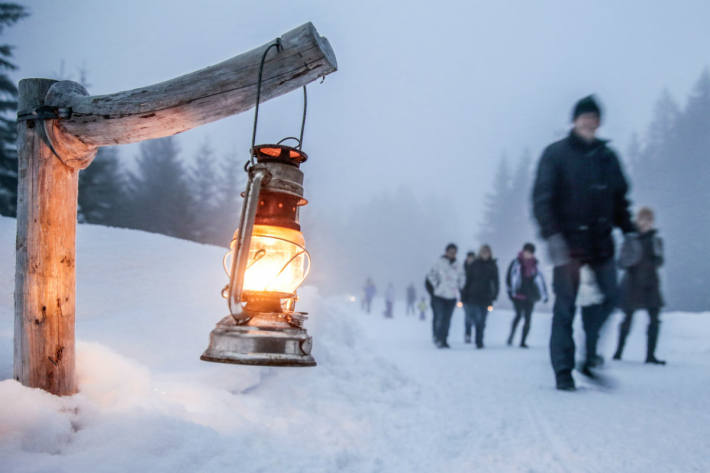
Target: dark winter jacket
[
  {"x": 580, "y": 192},
  {"x": 482, "y": 284},
  {"x": 640, "y": 284},
  {"x": 522, "y": 287}
]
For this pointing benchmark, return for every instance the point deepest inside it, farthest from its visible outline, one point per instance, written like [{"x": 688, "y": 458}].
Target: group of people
[
  {"x": 579, "y": 197},
  {"x": 476, "y": 285},
  {"x": 369, "y": 291}
]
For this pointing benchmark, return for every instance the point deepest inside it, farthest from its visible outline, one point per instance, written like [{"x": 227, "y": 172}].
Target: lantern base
[{"x": 267, "y": 340}]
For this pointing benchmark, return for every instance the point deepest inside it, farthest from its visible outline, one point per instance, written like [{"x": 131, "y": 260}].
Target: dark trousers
[
  {"x": 388, "y": 309},
  {"x": 523, "y": 309},
  {"x": 565, "y": 285},
  {"x": 475, "y": 316},
  {"x": 654, "y": 325},
  {"x": 443, "y": 310}
]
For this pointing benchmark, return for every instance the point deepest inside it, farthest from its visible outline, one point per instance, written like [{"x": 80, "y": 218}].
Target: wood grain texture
[
  {"x": 45, "y": 276},
  {"x": 194, "y": 99}
]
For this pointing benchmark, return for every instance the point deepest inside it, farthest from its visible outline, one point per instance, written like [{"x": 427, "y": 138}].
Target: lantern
[{"x": 267, "y": 262}]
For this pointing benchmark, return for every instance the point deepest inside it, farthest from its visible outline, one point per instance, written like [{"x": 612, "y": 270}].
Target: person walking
[
  {"x": 579, "y": 196},
  {"x": 445, "y": 280},
  {"x": 369, "y": 291},
  {"x": 525, "y": 285},
  {"x": 389, "y": 301},
  {"x": 411, "y": 299},
  {"x": 479, "y": 292},
  {"x": 422, "y": 306},
  {"x": 640, "y": 285}
]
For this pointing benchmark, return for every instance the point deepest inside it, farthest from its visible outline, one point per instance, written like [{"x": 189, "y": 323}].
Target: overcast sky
[{"x": 428, "y": 94}]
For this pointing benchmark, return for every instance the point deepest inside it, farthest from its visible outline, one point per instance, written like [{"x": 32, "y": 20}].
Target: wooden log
[
  {"x": 45, "y": 275},
  {"x": 194, "y": 99}
]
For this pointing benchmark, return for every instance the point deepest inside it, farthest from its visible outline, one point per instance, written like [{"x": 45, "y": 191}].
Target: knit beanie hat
[{"x": 586, "y": 105}]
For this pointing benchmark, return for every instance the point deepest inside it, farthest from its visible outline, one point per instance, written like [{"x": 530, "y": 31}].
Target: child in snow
[
  {"x": 640, "y": 285},
  {"x": 422, "y": 306}
]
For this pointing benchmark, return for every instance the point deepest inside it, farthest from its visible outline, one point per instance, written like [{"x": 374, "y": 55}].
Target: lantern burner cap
[{"x": 279, "y": 153}]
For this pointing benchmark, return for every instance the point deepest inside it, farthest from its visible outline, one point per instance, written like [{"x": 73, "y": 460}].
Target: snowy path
[
  {"x": 382, "y": 398},
  {"x": 496, "y": 409}
]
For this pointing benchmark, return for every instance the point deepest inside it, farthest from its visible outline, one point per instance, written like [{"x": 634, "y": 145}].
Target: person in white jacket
[{"x": 444, "y": 283}]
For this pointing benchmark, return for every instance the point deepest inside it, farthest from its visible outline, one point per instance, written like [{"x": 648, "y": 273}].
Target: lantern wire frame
[{"x": 226, "y": 262}]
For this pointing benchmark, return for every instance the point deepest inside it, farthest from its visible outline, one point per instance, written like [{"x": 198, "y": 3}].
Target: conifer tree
[
  {"x": 102, "y": 190},
  {"x": 160, "y": 198},
  {"x": 10, "y": 13},
  {"x": 230, "y": 183},
  {"x": 203, "y": 186}
]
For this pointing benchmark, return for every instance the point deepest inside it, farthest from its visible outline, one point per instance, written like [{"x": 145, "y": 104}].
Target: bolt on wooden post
[{"x": 53, "y": 148}]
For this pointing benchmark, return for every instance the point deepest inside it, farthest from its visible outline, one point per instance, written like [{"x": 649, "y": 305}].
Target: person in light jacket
[{"x": 444, "y": 281}]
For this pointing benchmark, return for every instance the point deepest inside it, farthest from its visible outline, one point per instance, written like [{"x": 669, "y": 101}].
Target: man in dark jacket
[
  {"x": 479, "y": 291},
  {"x": 579, "y": 196}
]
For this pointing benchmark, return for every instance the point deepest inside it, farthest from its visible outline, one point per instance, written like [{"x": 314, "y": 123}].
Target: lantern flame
[{"x": 278, "y": 260}]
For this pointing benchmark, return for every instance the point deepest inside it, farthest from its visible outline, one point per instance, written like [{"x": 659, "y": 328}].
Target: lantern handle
[
  {"x": 241, "y": 248},
  {"x": 277, "y": 44}
]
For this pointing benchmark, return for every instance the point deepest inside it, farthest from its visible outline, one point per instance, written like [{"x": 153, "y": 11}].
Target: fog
[{"x": 427, "y": 98}]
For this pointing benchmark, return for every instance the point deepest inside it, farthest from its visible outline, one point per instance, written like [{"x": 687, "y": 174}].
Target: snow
[{"x": 382, "y": 398}]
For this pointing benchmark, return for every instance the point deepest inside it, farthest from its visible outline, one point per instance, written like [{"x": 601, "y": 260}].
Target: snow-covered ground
[{"x": 382, "y": 399}]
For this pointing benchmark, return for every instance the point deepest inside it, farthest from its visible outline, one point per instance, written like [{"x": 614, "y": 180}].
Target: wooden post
[
  {"x": 53, "y": 148},
  {"x": 45, "y": 276}
]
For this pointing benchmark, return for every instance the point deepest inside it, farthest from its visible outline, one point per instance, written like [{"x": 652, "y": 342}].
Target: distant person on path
[
  {"x": 479, "y": 292},
  {"x": 445, "y": 280},
  {"x": 422, "y": 306},
  {"x": 369, "y": 291},
  {"x": 579, "y": 196},
  {"x": 525, "y": 285},
  {"x": 640, "y": 285},
  {"x": 411, "y": 299},
  {"x": 389, "y": 301}
]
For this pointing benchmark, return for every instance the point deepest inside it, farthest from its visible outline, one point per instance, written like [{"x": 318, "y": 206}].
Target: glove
[{"x": 557, "y": 250}]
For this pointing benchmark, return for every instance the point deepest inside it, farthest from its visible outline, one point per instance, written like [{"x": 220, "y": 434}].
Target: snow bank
[{"x": 146, "y": 305}]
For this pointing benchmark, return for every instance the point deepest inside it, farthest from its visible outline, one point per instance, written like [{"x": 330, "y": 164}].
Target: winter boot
[
  {"x": 624, "y": 329},
  {"x": 652, "y": 342},
  {"x": 620, "y": 347},
  {"x": 655, "y": 361},
  {"x": 565, "y": 382},
  {"x": 467, "y": 339},
  {"x": 596, "y": 361}
]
